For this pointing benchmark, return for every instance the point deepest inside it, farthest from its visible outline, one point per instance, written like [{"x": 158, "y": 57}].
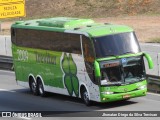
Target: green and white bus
[{"x": 79, "y": 58}]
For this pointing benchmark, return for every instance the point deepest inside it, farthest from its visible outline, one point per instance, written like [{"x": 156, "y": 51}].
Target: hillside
[
  {"x": 142, "y": 15},
  {"x": 91, "y": 8}
]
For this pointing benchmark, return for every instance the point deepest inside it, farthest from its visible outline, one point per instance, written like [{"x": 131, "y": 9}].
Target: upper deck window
[{"x": 48, "y": 40}]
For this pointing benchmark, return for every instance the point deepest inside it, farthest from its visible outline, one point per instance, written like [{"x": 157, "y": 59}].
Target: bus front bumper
[{"x": 122, "y": 96}]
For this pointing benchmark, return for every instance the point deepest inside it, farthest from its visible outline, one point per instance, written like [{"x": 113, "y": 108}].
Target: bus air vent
[
  {"x": 107, "y": 23},
  {"x": 76, "y": 28},
  {"x": 89, "y": 25},
  {"x": 27, "y": 23}
]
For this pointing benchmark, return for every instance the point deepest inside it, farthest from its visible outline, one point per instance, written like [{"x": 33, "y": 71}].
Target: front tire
[{"x": 85, "y": 97}]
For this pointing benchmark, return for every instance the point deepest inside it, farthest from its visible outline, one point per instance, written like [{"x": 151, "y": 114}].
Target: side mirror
[
  {"x": 97, "y": 72},
  {"x": 149, "y": 60}
]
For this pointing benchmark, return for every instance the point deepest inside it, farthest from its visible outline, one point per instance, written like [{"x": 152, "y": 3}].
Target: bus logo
[
  {"x": 70, "y": 79},
  {"x": 124, "y": 60}
]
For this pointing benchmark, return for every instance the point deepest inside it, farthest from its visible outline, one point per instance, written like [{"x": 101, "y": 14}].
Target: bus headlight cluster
[
  {"x": 107, "y": 92},
  {"x": 142, "y": 87}
]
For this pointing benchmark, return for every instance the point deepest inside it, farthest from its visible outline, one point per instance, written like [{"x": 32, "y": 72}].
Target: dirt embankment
[
  {"x": 142, "y": 15},
  {"x": 91, "y": 8},
  {"x": 147, "y": 28}
]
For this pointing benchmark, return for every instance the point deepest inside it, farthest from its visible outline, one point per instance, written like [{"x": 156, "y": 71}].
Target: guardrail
[
  {"x": 6, "y": 62},
  {"x": 153, "y": 83}
]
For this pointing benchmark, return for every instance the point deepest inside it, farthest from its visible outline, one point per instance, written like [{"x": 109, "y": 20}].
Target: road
[{"x": 17, "y": 98}]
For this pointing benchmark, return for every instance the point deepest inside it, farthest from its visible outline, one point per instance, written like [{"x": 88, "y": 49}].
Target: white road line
[{"x": 7, "y": 90}]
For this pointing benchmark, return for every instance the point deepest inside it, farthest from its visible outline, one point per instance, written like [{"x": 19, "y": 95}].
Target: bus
[{"x": 99, "y": 62}]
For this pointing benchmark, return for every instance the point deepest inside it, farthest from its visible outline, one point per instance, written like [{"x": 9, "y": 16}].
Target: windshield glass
[
  {"x": 122, "y": 71},
  {"x": 117, "y": 44}
]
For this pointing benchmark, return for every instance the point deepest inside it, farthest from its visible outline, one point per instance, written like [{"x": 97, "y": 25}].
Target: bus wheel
[
  {"x": 41, "y": 91},
  {"x": 85, "y": 97},
  {"x": 33, "y": 87}
]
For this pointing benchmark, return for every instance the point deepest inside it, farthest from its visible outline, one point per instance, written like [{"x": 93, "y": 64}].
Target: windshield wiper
[
  {"x": 140, "y": 79},
  {"x": 115, "y": 84},
  {"x": 118, "y": 84},
  {"x": 137, "y": 80}
]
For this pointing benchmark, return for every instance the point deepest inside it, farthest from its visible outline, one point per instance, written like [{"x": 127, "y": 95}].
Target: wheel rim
[
  {"x": 41, "y": 89},
  {"x": 33, "y": 86},
  {"x": 86, "y": 97}
]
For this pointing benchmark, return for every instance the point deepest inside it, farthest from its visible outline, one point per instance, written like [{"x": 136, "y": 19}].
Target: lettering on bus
[
  {"x": 111, "y": 65},
  {"x": 45, "y": 58},
  {"x": 22, "y": 55}
]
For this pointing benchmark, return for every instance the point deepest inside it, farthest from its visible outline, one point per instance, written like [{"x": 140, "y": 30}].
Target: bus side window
[
  {"x": 48, "y": 40},
  {"x": 66, "y": 42},
  {"x": 88, "y": 56},
  {"x": 73, "y": 41}
]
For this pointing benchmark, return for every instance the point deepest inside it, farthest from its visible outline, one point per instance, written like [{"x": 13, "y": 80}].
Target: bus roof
[{"x": 72, "y": 25}]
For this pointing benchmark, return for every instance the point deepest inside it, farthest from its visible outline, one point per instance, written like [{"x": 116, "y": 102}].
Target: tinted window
[
  {"x": 88, "y": 49},
  {"x": 116, "y": 44},
  {"x": 48, "y": 40},
  {"x": 89, "y": 56}
]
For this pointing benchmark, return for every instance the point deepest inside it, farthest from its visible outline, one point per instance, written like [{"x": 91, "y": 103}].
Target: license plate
[{"x": 126, "y": 96}]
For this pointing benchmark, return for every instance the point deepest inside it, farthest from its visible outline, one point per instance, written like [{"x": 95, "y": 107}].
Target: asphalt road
[{"x": 17, "y": 98}]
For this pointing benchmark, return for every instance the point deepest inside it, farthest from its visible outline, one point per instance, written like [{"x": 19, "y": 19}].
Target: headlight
[
  {"x": 107, "y": 92},
  {"x": 142, "y": 87}
]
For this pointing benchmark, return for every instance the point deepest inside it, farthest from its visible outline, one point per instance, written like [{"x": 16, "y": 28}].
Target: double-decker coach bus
[{"x": 80, "y": 58}]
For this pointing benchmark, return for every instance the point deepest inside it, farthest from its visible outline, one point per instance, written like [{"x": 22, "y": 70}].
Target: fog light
[{"x": 104, "y": 99}]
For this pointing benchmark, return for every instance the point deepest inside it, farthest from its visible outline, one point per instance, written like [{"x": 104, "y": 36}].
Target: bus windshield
[
  {"x": 118, "y": 71},
  {"x": 116, "y": 44}
]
